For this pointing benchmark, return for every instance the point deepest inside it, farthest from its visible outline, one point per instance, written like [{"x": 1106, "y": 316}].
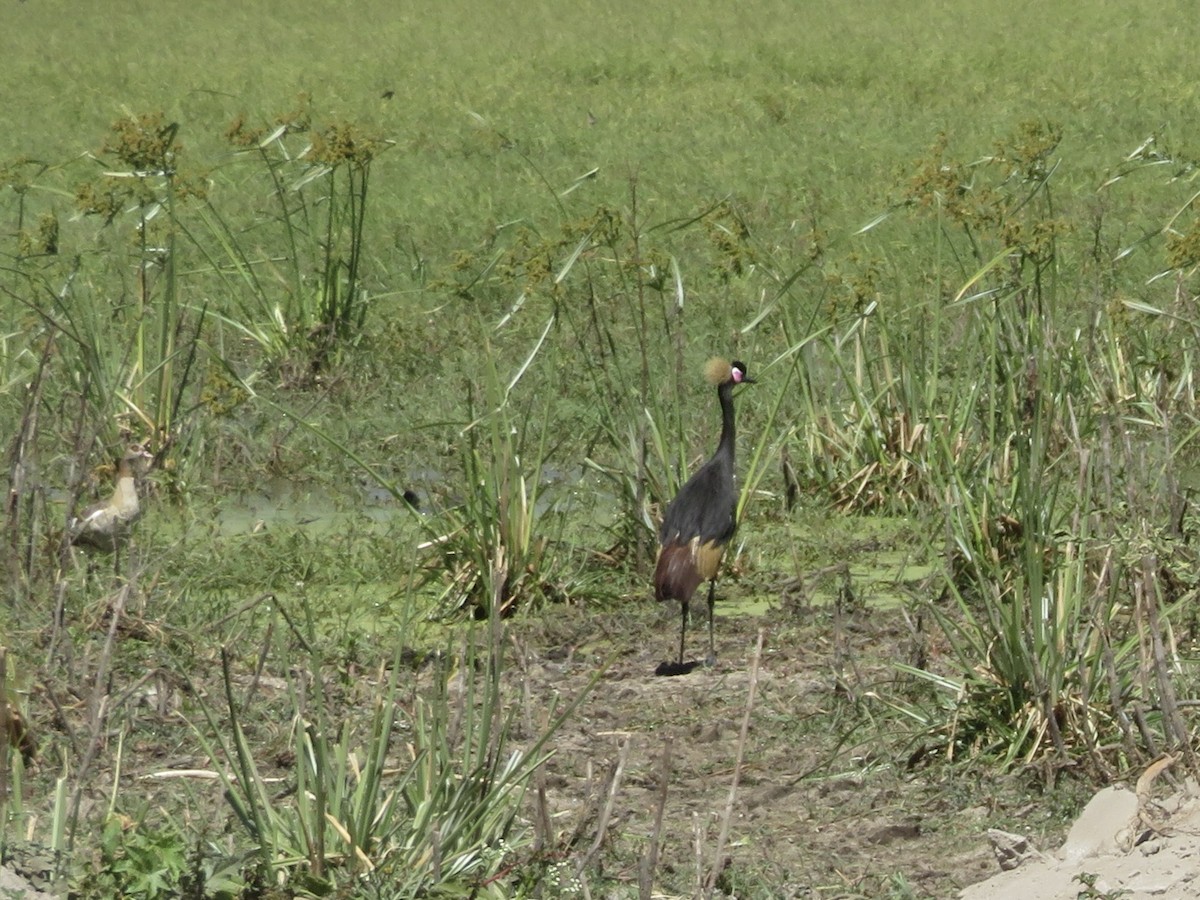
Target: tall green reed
[
  {"x": 1056, "y": 622},
  {"x": 139, "y": 195},
  {"x": 502, "y": 543},
  {"x": 295, "y": 280},
  {"x": 436, "y": 814}
]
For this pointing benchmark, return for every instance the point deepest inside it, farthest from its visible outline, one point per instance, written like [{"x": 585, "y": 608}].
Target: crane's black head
[{"x": 719, "y": 372}]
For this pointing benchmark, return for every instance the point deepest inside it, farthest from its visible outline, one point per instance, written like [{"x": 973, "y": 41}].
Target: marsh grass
[
  {"x": 1035, "y": 539},
  {"x": 312, "y": 297},
  {"x": 1004, "y": 353},
  {"x": 437, "y": 812},
  {"x": 143, "y": 182},
  {"x": 503, "y": 541}
]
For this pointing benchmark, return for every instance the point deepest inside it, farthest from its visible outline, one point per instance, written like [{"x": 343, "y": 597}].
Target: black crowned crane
[{"x": 702, "y": 518}]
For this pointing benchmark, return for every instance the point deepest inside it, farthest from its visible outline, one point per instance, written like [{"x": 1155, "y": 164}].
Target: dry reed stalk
[
  {"x": 610, "y": 798},
  {"x": 99, "y": 706},
  {"x": 649, "y": 862},
  {"x": 723, "y": 836},
  {"x": 1174, "y": 728},
  {"x": 4, "y": 726}
]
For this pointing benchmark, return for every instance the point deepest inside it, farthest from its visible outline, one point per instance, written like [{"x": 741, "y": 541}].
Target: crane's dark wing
[
  {"x": 705, "y": 507},
  {"x": 697, "y": 525}
]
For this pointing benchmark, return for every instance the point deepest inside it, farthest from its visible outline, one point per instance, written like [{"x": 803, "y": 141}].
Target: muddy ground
[
  {"x": 837, "y": 794},
  {"x": 825, "y": 805},
  {"x": 834, "y": 798}
]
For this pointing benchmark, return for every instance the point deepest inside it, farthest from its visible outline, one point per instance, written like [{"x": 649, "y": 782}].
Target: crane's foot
[
  {"x": 710, "y": 660},
  {"x": 669, "y": 669}
]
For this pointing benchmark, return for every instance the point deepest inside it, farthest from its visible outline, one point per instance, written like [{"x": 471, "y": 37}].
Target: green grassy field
[
  {"x": 483, "y": 260},
  {"x": 773, "y": 105}
]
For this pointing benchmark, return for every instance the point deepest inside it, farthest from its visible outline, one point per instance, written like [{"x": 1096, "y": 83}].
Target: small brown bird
[
  {"x": 702, "y": 518},
  {"x": 105, "y": 525}
]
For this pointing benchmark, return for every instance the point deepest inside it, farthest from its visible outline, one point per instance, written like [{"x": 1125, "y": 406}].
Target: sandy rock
[
  {"x": 1011, "y": 849},
  {"x": 1106, "y": 816},
  {"x": 15, "y": 887},
  {"x": 1166, "y": 865}
]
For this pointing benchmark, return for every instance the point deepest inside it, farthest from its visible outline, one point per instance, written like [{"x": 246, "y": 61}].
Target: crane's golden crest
[{"x": 717, "y": 370}]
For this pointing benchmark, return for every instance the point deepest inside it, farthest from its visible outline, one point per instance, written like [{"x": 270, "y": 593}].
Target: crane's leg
[
  {"x": 683, "y": 604},
  {"x": 712, "y": 647}
]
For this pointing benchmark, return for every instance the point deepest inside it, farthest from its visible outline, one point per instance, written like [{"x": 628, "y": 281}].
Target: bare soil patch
[
  {"x": 826, "y": 805},
  {"x": 831, "y": 802},
  {"x": 835, "y": 798}
]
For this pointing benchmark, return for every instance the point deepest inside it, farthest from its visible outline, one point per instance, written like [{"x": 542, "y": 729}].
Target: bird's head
[
  {"x": 136, "y": 458},
  {"x": 719, "y": 371}
]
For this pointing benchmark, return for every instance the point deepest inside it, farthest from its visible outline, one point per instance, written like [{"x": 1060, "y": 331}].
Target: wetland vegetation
[{"x": 412, "y": 317}]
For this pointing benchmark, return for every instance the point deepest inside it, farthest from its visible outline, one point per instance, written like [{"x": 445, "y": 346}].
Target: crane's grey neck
[{"x": 728, "y": 430}]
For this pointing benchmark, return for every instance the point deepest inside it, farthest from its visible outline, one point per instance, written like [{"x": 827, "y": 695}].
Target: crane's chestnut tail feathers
[
  {"x": 681, "y": 568},
  {"x": 676, "y": 576}
]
